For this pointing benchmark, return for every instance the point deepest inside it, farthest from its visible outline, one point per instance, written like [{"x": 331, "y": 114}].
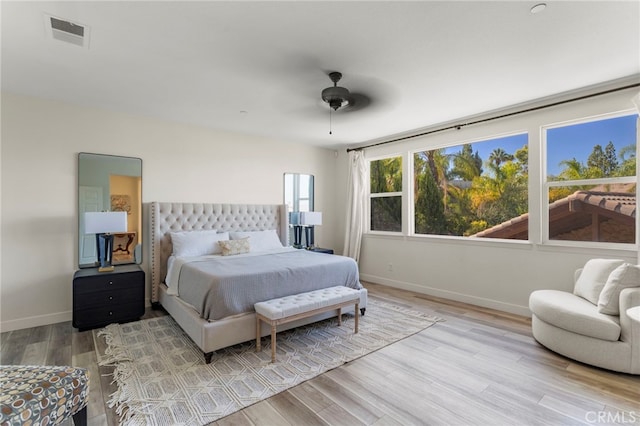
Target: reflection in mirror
[
  {"x": 299, "y": 197},
  {"x": 110, "y": 183}
]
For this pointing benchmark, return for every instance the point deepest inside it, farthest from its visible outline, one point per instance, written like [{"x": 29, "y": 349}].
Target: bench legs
[
  {"x": 274, "y": 324},
  {"x": 273, "y": 342}
]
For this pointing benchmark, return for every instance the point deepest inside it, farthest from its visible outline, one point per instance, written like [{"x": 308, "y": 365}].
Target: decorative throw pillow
[
  {"x": 231, "y": 247},
  {"x": 624, "y": 276},
  {"x": 197, "y": 243},
  {"x": 260, "y": 240},
  {"x": 594, "y": 275}
]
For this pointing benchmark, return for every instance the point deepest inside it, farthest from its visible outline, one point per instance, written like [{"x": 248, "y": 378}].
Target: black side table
[
  {"x": 321, "y": 250},
  {"x": 102, "y": 298}
]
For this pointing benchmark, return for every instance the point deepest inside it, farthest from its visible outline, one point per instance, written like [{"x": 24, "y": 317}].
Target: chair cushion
[
  {"x": 575, "y": 314},
  {"x": 35, "y": 394},
  {"x": 593, "y": 277},
  {"x": 624, "y": 276}
]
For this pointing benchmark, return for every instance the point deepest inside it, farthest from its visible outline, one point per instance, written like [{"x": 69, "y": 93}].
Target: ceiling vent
[{"x": 67, "y": 31}]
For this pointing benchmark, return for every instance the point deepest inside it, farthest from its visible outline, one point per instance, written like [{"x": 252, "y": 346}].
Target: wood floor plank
[
  {"x": 263, "y": 413},
  {"x": 238, "y": 418},
  {"x": 35, "y": 353},
  {"x": 361, "y": 408},
  {"x": 294, "y": 411},
  {"x": 314, "y": 398}
]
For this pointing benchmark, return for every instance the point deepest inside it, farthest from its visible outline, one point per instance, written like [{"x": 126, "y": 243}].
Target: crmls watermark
[{"x": 617, "y": 417}]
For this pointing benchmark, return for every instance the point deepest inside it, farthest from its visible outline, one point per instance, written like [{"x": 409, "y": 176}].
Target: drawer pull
[
  {"x": 110, "y": 313},
  {"x": 110, "y": 297},
  {"x": 110, "y": 282}
]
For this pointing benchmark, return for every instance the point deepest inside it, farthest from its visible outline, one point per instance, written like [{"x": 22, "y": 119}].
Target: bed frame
[{"x": 172, "y": 217}]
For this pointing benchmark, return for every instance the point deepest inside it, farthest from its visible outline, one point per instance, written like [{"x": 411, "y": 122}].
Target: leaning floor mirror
[
  {"x": 109, "y": 183},
  {"x": 299, "y": 197}
]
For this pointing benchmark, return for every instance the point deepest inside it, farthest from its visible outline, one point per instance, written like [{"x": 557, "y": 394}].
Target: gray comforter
[{"x": 230, "y": 285}]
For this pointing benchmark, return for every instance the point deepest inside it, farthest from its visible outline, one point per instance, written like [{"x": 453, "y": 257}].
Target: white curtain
[
  {"x": 636, "y": 102},
  {"x": 356, "y": 202}
]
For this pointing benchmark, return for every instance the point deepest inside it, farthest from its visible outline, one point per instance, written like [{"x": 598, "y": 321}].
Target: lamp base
[{"x": 106, "y": 268}]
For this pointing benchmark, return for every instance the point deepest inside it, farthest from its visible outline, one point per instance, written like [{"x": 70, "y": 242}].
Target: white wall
[
  {"x": 40, "y": 143},
  {"x": 489, "y": 273}
]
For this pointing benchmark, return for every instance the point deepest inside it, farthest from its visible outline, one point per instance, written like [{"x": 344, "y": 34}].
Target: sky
[
  {"x": 577, "y": 141},
  {"x": 565, "y": 143}
]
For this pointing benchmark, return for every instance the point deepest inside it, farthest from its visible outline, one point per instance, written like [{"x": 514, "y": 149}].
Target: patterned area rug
[{"x": 162, "y": 378}]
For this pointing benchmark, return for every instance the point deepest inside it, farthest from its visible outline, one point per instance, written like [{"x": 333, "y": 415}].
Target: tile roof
[{"x": 571, "y": 212}]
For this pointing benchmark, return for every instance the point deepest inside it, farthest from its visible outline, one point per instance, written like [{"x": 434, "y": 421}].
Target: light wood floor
[{"x": 478, "y": 367}]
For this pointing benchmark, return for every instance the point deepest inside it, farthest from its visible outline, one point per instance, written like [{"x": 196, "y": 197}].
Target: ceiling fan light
[{"x": 336, "y": 97}]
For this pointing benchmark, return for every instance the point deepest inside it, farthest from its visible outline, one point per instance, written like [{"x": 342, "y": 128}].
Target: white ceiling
[{"x": 422, "y": 62}]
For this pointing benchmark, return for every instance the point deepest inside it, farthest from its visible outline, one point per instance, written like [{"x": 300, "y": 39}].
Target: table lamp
[
  {"x": 309, "y": 220},
  {"x": 104, "y": 224}
]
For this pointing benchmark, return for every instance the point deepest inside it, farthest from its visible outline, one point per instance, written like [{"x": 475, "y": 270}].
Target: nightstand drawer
[
  {"x": 104, "y": 315},
  {"x": 111, "y": 297},
  {"x": 110, "y": 282}
]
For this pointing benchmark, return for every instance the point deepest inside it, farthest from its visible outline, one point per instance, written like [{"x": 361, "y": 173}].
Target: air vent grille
[
  {"x": 67, "y": 27},
  {"x": 67, "y": 31}
]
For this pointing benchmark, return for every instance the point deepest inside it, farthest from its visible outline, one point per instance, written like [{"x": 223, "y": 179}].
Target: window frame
[
  {"x": 371, "y": 195},
  {"x": 457, "y": 143},
  {"x": 546, "y": 185}
]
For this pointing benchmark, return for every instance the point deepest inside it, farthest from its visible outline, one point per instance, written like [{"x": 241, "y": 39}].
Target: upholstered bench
[
  {"x": 43, "y": 395},
  {"x": 303, "y": 305}
]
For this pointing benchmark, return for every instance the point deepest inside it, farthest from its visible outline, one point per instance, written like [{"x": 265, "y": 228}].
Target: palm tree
[
  {"x": 499, "y": 156},
  {"x": 573, "y": 170}
]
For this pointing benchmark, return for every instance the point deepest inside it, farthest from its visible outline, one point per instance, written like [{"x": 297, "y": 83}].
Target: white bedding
[
  {"x": 175, "y": 264},
  {"x": 221, "y": 286}
]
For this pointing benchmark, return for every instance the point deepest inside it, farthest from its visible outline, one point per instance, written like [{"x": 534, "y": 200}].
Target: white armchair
[{"x": 576, "y": 325}]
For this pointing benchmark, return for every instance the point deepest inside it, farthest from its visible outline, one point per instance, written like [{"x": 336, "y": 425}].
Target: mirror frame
[
  {"x": 96, "y": 175},
  {"x": 293, "y": 196}
]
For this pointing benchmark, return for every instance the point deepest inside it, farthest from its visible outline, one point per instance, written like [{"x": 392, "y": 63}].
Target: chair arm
[
  {"x": 576, "y": 275},
  {"x": 630, "y": 329}
]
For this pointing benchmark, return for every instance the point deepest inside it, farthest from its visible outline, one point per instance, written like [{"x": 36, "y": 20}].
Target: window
[
  {"x": 591, "y": 180},
  {"x": 478, "y": 189},
  {"x": 386, "y": 194}
]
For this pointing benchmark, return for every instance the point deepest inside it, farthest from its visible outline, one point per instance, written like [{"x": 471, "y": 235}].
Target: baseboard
[
  {"x": 445, "y": 294},
  {"x": 39, "y": 320},
  {"x": 35, "y": 321}
]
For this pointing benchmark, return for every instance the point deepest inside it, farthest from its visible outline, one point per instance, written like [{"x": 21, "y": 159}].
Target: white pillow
[
  {"x": 624, "y": 276},
  {"x": 260, "y": 240},
  {"x": 197, "y": 243},
  {"x": 594, "y": 275}
]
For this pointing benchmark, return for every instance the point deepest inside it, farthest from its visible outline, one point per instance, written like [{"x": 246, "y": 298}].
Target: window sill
[{"x": 624, "y": 250}]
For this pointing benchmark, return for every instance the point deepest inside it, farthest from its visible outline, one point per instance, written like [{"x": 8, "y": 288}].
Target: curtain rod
[{"x": 461, "y": 125}]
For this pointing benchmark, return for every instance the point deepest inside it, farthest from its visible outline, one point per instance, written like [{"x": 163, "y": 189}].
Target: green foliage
[
  {"x": 386, "y": 175},
  {"x": 455, "y": 195},
  {"x": 429, "y": 205},
  {"x": 466, "y": 164},
  {"x": 600, "y": 164},
  {"x": 462, "y": 199}
]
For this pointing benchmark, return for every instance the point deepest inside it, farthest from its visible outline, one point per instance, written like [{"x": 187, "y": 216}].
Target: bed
[{"x": 210, "y": 328}]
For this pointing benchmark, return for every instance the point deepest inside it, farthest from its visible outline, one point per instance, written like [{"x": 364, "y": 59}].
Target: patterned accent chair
[{"x": 43, "y": 395}]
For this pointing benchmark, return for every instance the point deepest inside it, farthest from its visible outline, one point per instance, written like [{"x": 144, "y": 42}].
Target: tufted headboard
[{"x": 173, "y": 217}]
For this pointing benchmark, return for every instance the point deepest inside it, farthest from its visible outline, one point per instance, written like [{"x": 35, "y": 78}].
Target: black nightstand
[
  {"x": 102, "y": 298},
  {"x": 321, "y": 250}
]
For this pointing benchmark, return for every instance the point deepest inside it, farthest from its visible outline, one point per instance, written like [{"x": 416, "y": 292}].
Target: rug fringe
[{"x": 116, "y": 356}]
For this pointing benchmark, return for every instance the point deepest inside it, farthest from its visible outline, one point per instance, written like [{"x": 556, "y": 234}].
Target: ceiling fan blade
[{"x": 357, "y": 101}]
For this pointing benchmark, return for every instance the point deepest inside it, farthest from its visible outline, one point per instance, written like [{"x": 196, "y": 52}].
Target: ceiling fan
[{"x": 340, "y": 98}]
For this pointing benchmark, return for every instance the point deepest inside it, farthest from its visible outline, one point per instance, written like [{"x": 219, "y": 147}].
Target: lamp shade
[
  {"x": 105, "y": 222},
  {"x": 294, "y": 218},
  {"x": 310, "y": 218}
]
